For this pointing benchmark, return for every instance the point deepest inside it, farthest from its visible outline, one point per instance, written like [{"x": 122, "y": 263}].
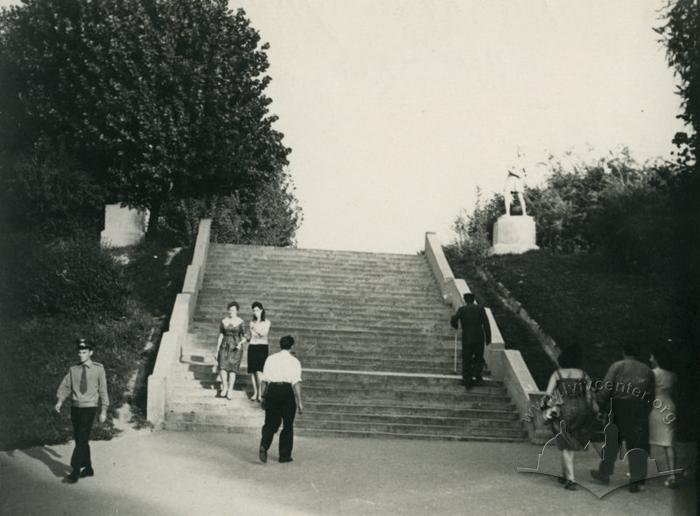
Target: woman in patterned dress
[
  {"x": 258, "y": 347},
  {"x": 229, "y": 349},
  {"x": 570, "y": 386}
]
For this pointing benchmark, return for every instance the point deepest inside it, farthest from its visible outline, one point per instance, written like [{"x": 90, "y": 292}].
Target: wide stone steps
[{"x": 372, "y": 332}]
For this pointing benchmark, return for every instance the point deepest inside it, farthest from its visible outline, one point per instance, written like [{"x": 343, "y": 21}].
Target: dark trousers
[
  {"x": 280, "y": 407},
  {"x": 82, "y": 419},
  {"x": 472, "y": 359},
  {"x": 631, "y": 417}
]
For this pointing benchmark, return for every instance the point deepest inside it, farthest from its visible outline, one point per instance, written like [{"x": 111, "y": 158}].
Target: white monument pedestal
[
  {"x": 513, "y": 235},
  {"x": 123, "y": 226}
]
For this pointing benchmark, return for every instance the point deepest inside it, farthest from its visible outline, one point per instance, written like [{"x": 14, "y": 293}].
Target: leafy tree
[
  {"x": 267, "y": 217},
  {"x": 158, "y": 100},
  {"x": 679, "y": 33}
]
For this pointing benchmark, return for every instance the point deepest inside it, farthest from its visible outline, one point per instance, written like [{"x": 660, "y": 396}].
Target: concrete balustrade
[
  {"x": 175, "y": 338},
  {"x": 503, "y": 364}
]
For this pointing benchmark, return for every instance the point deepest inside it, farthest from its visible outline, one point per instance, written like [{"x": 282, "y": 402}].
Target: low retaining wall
[
  {"x": 172, "y": 341},
  {"x": 503, "y": 364}
]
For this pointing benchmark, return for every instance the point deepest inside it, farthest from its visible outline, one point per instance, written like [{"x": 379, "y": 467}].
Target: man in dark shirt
[
  {"x": 629, "y": 386},
  {"x": 86, "y": 385},
  {"x": 475, "y": 331}
]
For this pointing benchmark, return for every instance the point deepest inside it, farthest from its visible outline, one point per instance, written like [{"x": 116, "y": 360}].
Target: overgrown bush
[
  {"x": 268, "y": 216},
  {"x": 614, "y": 206},
  {"x": 70, "y": 277},
  {"x": 49, "y": 193},
  {"x": 475, "y": 230},
  {"x": 47, "y": 348}
]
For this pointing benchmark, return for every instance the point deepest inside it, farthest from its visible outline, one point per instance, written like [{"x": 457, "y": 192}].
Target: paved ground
[{"x": 196, "y": 473}]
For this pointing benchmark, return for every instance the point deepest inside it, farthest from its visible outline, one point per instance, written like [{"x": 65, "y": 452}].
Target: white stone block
[
  {"x": 514, "y": 235},
  {"x": 123, "y": 226}
]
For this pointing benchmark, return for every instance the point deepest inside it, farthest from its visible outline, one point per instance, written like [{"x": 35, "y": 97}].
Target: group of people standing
[
  {"x": 635, "y": 402},
  {"x": 234, "y": 333},
  {"x": 276, "y": 378}
]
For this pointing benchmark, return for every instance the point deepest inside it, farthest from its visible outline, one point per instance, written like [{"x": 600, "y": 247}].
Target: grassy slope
[
  {"x": 36, "y": 353},
  {"x": 515, "y": 333},
  {"x": 581, "y": 299}
]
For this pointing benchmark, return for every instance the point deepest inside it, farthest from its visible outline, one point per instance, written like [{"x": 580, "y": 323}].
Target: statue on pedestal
[
  {"x": 514, "y": 184},
  {"x": 514, "y": 235}
]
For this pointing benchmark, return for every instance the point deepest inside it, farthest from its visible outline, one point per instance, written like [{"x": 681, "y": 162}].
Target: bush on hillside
[
  {"x": 615, "y": 206},
  {"x": 475, "y": 230},
  {"x": 269, "y": 216},
  {"x": 47, "y": 348},
  {"x": 72, "y": 277},
  {"x": 49, "y": 194}
]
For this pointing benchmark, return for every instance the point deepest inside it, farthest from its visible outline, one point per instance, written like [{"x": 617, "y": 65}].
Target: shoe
[
  {"x": 671, "y": 482},
  {"x": 72, "y": 477},
  {"x": 603, "y": 479},
  {"x": 87, "y": 472},
  {"x": 571, "y": 486},
  {"x": 252, "y": 398},
  {"x": 262, "y": 453},
  {"x": 285, "y": 459},
  {"x": 561, "y": 480},
  {"x": 229, "y": 396},
  {"x": 477, "y": 381},
  {"x": 634, "y": 488}
]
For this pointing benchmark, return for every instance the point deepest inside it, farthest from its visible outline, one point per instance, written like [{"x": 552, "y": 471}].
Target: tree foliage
[
  {"x": 614, "y": 205},
  {"x": 158, "y": 100},
  {"x": 680, "y": 34}
]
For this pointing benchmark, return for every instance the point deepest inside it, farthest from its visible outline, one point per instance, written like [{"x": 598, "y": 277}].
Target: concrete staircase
[{"x": 373, "y": 336}]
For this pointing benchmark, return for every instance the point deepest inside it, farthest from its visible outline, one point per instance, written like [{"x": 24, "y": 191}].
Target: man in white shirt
[{"x": 281, "y": 392}]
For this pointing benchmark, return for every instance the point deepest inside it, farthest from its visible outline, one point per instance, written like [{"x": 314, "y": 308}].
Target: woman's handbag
[{"x": 551, "y": 407}]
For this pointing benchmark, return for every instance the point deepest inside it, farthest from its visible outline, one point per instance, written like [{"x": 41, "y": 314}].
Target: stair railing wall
[
  {"x": 504, "y": 364},
  {"x": 173, "y": 340}
]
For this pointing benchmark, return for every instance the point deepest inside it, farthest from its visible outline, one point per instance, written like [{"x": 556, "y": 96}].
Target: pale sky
[{"x": 396, "y": 110}]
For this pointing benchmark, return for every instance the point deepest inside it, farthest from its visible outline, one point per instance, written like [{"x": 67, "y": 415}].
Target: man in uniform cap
[{"x": 86, "y": 384}]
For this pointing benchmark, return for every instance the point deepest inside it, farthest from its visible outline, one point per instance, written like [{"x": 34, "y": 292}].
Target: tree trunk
[{"x": 152, "y": 233}]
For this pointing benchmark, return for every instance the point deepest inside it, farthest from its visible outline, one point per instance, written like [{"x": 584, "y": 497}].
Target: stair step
[
  {"x": 505, "y": 413},
  {"x": 408, "y": 428},
  {"x": 336, "y": 333},
  {"x": 316, "y": 432},
  {"x": 409, "y": 419}
]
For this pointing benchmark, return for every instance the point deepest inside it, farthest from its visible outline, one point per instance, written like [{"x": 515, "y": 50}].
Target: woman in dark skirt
[
  {"x": 570, "y": 388},
  {"x": 229, "y": 349},
  {"x": 258, "y": 347}
]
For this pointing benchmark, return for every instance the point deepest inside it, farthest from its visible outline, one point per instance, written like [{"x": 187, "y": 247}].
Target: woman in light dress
[
  {"x": 229, "y": 349},
  {"x": 662, "y": 418},
  {"x": 258, "y": 348}
]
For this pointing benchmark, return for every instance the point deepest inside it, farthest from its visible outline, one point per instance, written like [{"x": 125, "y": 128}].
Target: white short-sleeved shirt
[{"x": 282, "y": 367}]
